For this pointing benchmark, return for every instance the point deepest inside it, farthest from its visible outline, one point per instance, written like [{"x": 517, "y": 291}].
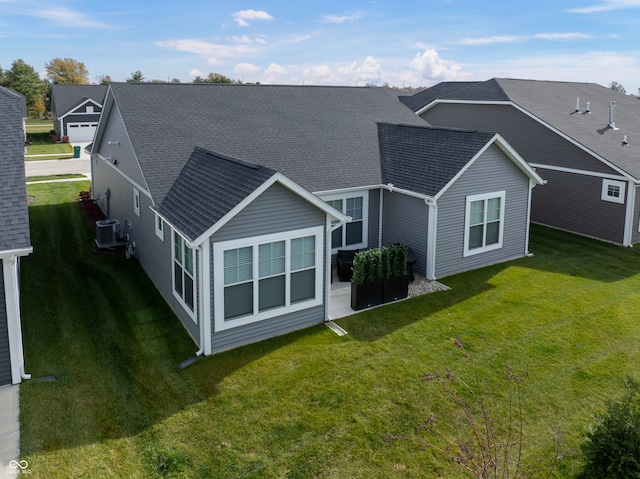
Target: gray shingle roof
[
  {"x": 424, "y": 159},
  {"x": 322, "y": 138},
  {"x": 554, "y": 103},
  {"x": 226, "y": 181},
  {"x": 442, "y": 89},
  {"x": 66, "y": 97},
  {"x": 14, "y": 220}
]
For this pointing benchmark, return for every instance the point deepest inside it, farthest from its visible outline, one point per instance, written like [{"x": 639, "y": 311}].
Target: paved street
[{"x": 80, "y": 165}]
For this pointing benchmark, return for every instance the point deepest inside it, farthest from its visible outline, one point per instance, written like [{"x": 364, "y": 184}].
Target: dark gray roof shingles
[
  {"x": 14, "y": 219},
  {"x": 65, "y": 98},
  {"x": 208, "y": 187},
  {"x": 323, "y": 138},
  {"x": 424, "y": 159}
]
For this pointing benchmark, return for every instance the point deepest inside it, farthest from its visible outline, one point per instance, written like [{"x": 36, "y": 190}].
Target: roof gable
[
  {"x": 212, "y": 188},
  {"x": 65, "y": 98}
]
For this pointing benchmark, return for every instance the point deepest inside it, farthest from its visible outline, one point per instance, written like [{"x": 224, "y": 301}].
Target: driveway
[{"x": 80, "y": 165}]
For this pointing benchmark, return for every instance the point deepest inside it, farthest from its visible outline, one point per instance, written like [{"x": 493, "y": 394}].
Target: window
[
  {"x": 268, "y": 276},
  {"x": 136, "y": 201},
  {"x": 613, "y": 190},
  {"x": 159, "y": 227},
  {"x": 353, "y": 234},
  {"x": 183, "y": 272},
  {"x": 484, "y": 223}
]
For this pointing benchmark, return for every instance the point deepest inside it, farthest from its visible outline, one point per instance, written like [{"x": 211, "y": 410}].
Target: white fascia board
[
  {"x": 287, "y": 183},
  {"x": 72, "y": 111},
  {"x": 579, "y": 172},
  {"x": 136, "y": 185},
  {"x": 8, "y": 253},
  {"x": 539, "y": 120},
  {"x": 520, "y": 162}
]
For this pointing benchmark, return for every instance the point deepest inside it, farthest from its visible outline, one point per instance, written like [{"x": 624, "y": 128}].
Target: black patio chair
[{"x": 344, "y": 262}]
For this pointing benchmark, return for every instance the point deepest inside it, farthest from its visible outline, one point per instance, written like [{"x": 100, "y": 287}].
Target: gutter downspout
[
  {"x": 430, "y": 272},
  {"x": 380, "y": 217},
  {"x": 628, "y": 222},
  {"x": 327, "y": 284},
  {"x": 12, "y": 291}
]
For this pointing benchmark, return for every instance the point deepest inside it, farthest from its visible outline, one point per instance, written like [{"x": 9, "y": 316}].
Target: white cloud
[
  {"x": 369, "y": 71},
  {"x": 275, "y": 74},
  {"x": 245, "y": 71},
  {"x": 215, "y": 51},
  {"x": 607, "y": 5},
  {"x": 242, "y": 16},
  {"x": 342, "y": 18},
  {"x": 59, "y": 15},
  {"x": 195, "y": 73},
  {"x": 523, "y": 38},
  {"x": 243, "y": 39},
  {"x": 430, "y": 66}
]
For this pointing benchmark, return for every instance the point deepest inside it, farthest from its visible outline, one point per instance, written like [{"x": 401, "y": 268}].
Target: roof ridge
[{"x": 232, "y": 159}]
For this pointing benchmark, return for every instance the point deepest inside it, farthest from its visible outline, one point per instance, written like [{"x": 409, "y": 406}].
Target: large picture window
[
  {"x": 484, "y": 223},
  {"x": 183, "y": 272},
  {"x": 267, "y": 276},
  {"x": 353, "y": 234}
]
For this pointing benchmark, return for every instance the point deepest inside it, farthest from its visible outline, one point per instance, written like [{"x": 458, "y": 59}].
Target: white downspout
[
  {"x": 430, "y": 272},
  {"x": 329, "y": 228},
  {"x": 527, "y": 235},
  {"x": 12, "y": 292},
  {"x": 628, "y": 222},
  {"x": 207, "y": 319},
  {"x": 201, "y": 301},
  {"x": 380, "y": 218}
]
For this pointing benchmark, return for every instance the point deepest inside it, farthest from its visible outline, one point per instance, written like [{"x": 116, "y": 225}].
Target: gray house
[
  {"x": 579, "y": 136},
  {"x": 76, "y": 110},
  {"x": 235, "y": 198},
  {"x": 14, "y": 233}
]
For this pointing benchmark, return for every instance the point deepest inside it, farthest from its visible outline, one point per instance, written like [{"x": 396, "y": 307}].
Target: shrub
[
  {"x": 367, "y": 266},
  {"x": 612, "y": 446},
  {"x": 394, "y": 261}
]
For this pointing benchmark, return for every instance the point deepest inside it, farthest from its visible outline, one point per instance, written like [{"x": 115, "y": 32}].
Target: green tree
[
  {"x": 213, "y": 78},
  {"x": 136, "y": 77},
  {"x": 66, "y": 71},
  {"x": 24, "y": 79},
  {"x": 615, "y": 86}
]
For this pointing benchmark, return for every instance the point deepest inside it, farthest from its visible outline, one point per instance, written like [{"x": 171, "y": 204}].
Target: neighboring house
[
  {"x": 581, "y": 137},
  {"x": 235, "y": 197},
  {"x": 76, "y": 110},
  {"x": 14, "y": 233}
]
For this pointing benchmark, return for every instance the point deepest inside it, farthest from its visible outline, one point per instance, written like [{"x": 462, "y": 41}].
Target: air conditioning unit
[{"x": 107, "y": 233}]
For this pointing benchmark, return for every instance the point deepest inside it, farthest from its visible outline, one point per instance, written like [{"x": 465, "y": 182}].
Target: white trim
[
  {"x": 16, "y": 252},
  {"x": 136, "y": 201},
  {"x": 287, "y": 183},
  {"x": 605, "y": 196},
  {"x": 135, "y": 184},
  {"x": 535, "y": 118},
  {"x": 159, "y": 226},
  {"x": 432, "y": 235},
  {"x": 467, "y": 217},
  {"x": 364, "y": 194},
  {"x": 218, "y": 258},
  {"x": 508, "y": 151},
  {"x": 180, "y": 299},
  {"x": 578, "y": 172},
  {"x": 14, "y": 326},
  {"x": 83, "y": 103},
  {"x": 205, "y": 317}
]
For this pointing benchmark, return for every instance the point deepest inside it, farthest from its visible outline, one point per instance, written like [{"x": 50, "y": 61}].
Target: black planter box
[
  {"x": 395, "y": 288},
  {"x": 366, "y": 295}
]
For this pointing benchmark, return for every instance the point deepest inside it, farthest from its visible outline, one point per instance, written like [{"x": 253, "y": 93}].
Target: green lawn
[
  {"x": 38, "y": 131},
  {"x": 309, "y": 404},
  {"x": 38, "y": 126}
]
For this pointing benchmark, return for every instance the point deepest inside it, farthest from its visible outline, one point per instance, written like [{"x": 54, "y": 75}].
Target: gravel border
[{"x": 421, "y": 285}]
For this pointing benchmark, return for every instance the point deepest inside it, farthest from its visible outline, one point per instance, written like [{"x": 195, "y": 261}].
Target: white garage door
[{"x": 81, "y": 131}]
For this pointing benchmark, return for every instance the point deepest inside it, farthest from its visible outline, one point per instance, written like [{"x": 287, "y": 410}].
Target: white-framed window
[
  {"x": 353, "y": 234},
  {"x": 267, "y": 276},
  {"x": 136, "y": 201},
  {"x": 613, "y": 190},
  {"x": 183, "y": 273},
  {"x": 159, "y": 227},
  {"x": 484, "y": 222}
]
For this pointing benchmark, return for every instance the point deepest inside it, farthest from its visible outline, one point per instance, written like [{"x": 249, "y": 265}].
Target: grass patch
[
  {"x": 38, "y": 126},
  {"x": 42, "y": 146},
  {"x": 67, "y": 176},
  {"x": 308, "y": 404}
]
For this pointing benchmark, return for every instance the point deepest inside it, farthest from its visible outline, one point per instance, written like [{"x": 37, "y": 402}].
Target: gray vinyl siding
[
  {"x": 276, "y": 210},
  {"x": 406, "y": 220},
  {"x": 5, "y": 356},
  {"x": 154, "y": 255},
  {"x": 492, "y": 172},
  {"x": 533, "y": 141},
  {"x": 573, "y": 202},
  {"x": 122, "y": 152},
  {"x": 373, "y": 230},
  {"x": 635, "y": 237}
]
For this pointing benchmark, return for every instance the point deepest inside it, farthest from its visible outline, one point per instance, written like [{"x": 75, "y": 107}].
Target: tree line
[{"x": 24, "y": 79}]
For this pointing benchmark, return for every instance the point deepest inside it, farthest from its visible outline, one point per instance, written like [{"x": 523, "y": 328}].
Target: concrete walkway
[{"x": 10, "y": 463}]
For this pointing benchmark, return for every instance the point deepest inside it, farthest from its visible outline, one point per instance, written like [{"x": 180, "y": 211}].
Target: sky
[{"x": 404, "y": 43}]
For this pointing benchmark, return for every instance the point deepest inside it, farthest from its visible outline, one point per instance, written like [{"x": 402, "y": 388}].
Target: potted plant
[
  {"x": 367, "y": 279},
  {"x": 396, "y": 277}
]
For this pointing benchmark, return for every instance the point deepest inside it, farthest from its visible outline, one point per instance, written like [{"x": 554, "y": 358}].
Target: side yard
[
  {"x": 309, "y": 404},
  {"x": 40, "y": 146}
]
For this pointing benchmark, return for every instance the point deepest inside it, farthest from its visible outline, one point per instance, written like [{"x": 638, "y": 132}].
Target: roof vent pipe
[
  {"x": 578, "y": 104},
  {"x": 612, "y": 107},
  {"x": 588, "y": 107},
  {"x": 624, "y": 141}
]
